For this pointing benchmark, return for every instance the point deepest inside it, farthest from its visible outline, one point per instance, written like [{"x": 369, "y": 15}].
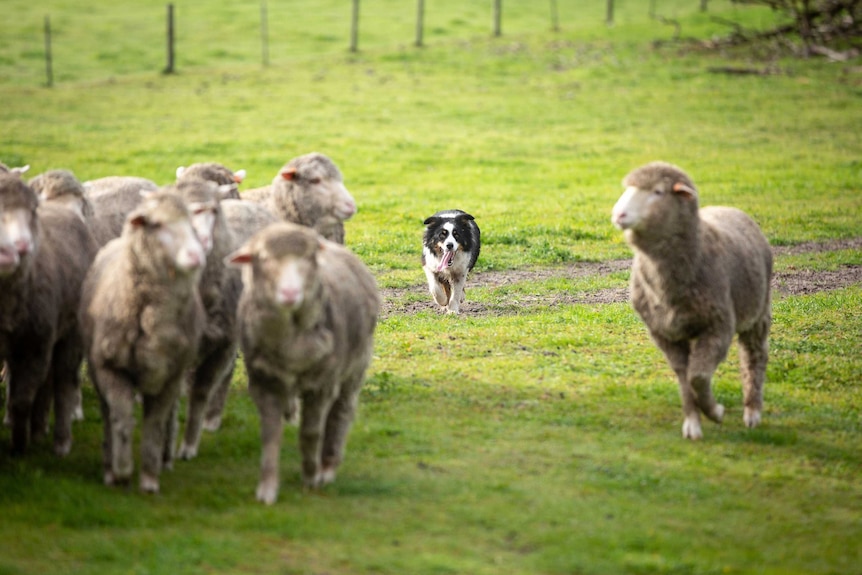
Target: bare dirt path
[{"x": 789, "y": 282}]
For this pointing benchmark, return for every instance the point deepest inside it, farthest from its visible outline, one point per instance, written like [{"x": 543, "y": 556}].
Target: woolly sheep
[
  {"x": 20, "y": 171},
  {"x": 113, "y": 198},
  {"x": 309, "y": 190},
  {"x": 213, "y": 172},
  {"x": 44, "y": 255},
  {"x": 61, "y": 187},
  {"x": 307, "y": 317},
  {"x": 698, "y": 277},
  {"x": 219, "y": 287},
  {"x": 142, "y": 317}
]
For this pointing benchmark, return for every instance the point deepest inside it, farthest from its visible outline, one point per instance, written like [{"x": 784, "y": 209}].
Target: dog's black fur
[{"x": 450, "y": 249}]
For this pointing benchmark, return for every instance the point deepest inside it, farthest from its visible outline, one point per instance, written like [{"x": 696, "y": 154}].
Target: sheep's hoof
[
  {"x": 717, "y": 414},
  {"x": 326, "y": 476},
  {"x": 111, "y": 479},
  {"x": 187, "y": 451},
  {"x": 212, "y": 423},
  {"x": 267, "y": 492},
  {"x": 751, "y": 417},
  {"x": 62, "y": 448},
  {"x": 149, "y": 484},
  {"x": 78, "y": 414},
  {"x": 691, "y": 428}
]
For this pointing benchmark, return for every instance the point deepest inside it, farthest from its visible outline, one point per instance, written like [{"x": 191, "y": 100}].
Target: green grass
[{"x": 540, "y": 439}]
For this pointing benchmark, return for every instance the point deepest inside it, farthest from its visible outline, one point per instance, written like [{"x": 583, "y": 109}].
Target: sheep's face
[
  {"x": 163, "y": 223},
  {"x": 204, "y": 215},
  {"x": 18, "y": 223},
  {"x": 317, "y": 182},
  {"x": 649, "y": 191},
  {"x": 280, "y": 265},
  {"x": 61, "y": 188}
]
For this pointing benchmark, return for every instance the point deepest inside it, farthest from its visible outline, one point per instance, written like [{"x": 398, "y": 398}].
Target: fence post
[
  {"x": 652, "y": 8},
  {"x": 498, "y": 16},
  {"x": 170, "y": 67},
  {"x": 609, "y": 19},
  {"x": 264, "y": 34},
  {"x": 420, "y": 18},
  {"x": 703, "y": 5},
  {"x": 555, "y": 17},
  {"x": 354, "y": 27},
  {"x": 49, "y": 70}
]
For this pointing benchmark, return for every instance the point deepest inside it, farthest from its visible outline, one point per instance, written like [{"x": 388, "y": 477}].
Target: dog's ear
[
  {"x": 465, "y": 217},
  {"x": 432, "y": 221}
]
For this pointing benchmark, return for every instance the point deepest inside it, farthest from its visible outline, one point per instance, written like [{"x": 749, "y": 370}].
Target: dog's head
[{"x": 445, "y": 234}]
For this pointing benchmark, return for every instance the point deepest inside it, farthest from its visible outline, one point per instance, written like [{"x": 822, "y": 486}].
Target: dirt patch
[{"x": 415, "y": 299}]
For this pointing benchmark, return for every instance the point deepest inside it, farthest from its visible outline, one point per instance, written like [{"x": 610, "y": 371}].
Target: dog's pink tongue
[{"x": 444, "y": 263}]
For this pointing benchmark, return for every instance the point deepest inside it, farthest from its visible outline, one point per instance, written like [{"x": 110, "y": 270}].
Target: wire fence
[{"x": 114, "y": 39}]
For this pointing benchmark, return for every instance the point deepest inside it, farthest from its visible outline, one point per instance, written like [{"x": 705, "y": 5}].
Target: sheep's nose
[{"x": 23, "y": 246}]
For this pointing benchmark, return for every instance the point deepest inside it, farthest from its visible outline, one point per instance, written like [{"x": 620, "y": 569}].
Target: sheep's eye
[
  {"x": 314, "y": 180},
  {"x": 658, "y": 191}
]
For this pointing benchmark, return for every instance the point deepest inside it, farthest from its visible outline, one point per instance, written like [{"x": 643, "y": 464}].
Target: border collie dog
[{"x": 450, "y": 249}]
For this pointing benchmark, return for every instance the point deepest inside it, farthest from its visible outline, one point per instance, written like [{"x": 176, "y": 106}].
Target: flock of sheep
[{"x": 159, "y": 287}]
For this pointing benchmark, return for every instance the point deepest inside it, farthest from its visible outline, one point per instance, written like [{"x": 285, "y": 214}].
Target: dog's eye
[{"x": 444, "y": 233}]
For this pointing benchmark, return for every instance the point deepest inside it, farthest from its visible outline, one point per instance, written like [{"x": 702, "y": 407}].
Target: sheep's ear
[
  {"x": 137, "y": 220},
  {"x": 684, "y": 190},
  {"x": 180, "y": 171},
  {"x": 239, "y": 176},
  {"x": 431, "y": 221},
  {"x": 239, "y": 258},
  {"x": 226, "y": 191},
  {"x": 288, "y": 173},
  {"x": 20, "y": 171}
]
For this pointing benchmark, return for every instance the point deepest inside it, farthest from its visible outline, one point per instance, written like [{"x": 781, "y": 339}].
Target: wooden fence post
[
  {"x": 609, "y": 19},
  {"x": 354, "y": 27},
  {"x": 264, "y": 34},
  {"x": 420, "y": 21},
  {"x": 49, "y": 69},
  {"x": 703, "y": 5},
  {"x": 498, "y": 17},
  {"x": 170, "y": 67},
  {"x": 555, "y": 17}
]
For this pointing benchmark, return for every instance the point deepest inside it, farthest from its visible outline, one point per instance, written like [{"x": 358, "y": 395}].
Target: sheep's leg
[
  {"x": 337, "y": 426},
  {"x": 271, "y": 401},
  {"x": 677, "y": 356},
  {"x": 28, "y": 372},
  {"x": 315, "y": 408},
  {"x": 707, "y": 351},
  {"x": 753, "y": 355},
  {"x": 118, "y": 404},
  {"x": 67, "y": 387},
  {"x": 218, "y": 399},
  {"x": 155, "y": 433},
  {"x": 40, "y": 412},
  {"x": 437, "y": 289},
  {"x": 209, "y": 373}
]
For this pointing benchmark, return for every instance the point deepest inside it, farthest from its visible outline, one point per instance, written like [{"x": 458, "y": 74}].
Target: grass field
[{"x": 532, "y": 434}]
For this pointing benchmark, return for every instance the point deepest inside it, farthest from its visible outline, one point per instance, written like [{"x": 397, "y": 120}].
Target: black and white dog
[{"x": 450, "y": 249}]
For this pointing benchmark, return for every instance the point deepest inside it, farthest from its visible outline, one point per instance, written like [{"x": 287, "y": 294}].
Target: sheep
[
  {"x": 698, "y": 277},
  {"x": 61, "y": 187},
  {"x": 219, "y": 288},
  {"x": 113, "y": 198},
  {"x": 20, "y": 171},
  {"x": 213, "y": 172},
  {"x": 142, "y": 317},
  {"x": 243, "y": 219},
  {"x": 309, "y": 190},
  {"x": 45, "y": 252},
  {"x": 307, "y": 314}
]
